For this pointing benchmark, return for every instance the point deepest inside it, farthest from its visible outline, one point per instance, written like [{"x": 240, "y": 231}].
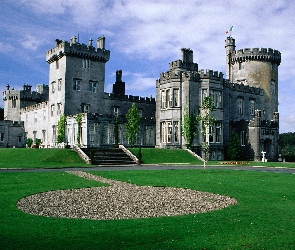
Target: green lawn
[
  {"x": 264, "y": 217},
  {"x": 38, "y": 158},
  {"x": 166, "y": 156}
]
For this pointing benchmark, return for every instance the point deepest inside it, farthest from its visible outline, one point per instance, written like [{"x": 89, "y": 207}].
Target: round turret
[{"x": 257, "y": 68}]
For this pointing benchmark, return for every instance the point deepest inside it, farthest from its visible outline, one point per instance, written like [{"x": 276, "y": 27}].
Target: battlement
[
  {"x": 245, "y": 88},
  {"x": 180, "y": 64},
  {"x": 34, "y": 107},
  {"x": 266, "y": 124},
  {"x": 256, "y": 54},
  {"x": 76, "y": 49},
  {"x": 26, "y": 94},
  {"x": 210, "y": 74},
  {"x": 131, "y": 98}
]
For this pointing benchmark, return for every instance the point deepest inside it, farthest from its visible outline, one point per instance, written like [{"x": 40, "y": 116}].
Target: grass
[
  {"x": 165, "y": 156},
  {"x": 264, "y": 217},
  {"x": 59, "y": 158},
  {"x": 38, "y": 158}
]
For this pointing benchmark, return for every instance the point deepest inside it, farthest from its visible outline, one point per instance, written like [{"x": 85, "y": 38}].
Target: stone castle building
[
  {"x": 245, "y": 100},
  {"x": 76, "y": 86}
]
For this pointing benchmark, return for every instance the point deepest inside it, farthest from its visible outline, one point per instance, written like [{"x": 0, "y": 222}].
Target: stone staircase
[{"x": 108, "y": 156}]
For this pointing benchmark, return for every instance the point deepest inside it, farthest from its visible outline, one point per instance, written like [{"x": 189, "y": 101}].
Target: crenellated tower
[
  {"x": 15, "y": 100},
  {"x": 77, "y": 76},
  {"x": 257, "y": 68}
]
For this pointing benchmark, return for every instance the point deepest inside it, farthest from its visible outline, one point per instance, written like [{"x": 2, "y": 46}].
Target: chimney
[{"x": 101, "y": 42}]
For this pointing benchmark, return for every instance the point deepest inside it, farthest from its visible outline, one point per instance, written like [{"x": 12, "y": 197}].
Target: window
[
  {"x": 52, "y": 109},
  {"x": 53, "y": 87},
  {"x": 176, "y": 125},
  {"x": 13, "y": 103},
  {"x": 1, "y": 136},
  {"x": 86, "y": 108},
  {"x": 204, "y": 93},
  {"x": 241, "y": 65},
  {"x": 252, "y": 107},
  {"x": 59, "y": 84},
  {"x": 116, "y": 111},
  {"x": 140, "y": 113},
  {"x": 163, "y": 99},
  {"x": 53, "y": 133},
  {"x": 169, "y": 98},
  {"x": 170, "y": 132},
  {"x": 85, "y": 63},
  {"x": 175, "y": 97},
  {"x": 240, "y": 105},
  {"x": 56, "y": 64},
  {"x": 35, "y": 117},
  {"x": 59, "y": 108},
  {"x": 216, "y": 96},
  {"x": 77, "y": 83},
  {"x": 215, "y": 133},
  {"x": 43, "y": 135},
  {"x": 242, "y": 138},
  {"x": 44, "y": 115},
  {"x": 218, "y": 132},
  {"x": 163, "y": 129},
  {"x": 92, "y": 86},
  {"x": 19, "y": 139}
]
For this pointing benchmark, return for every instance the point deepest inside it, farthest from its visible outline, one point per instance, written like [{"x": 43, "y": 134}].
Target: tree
[
  {"x": 206, "y": 120},
  {"x": 61, "y": 129},
  {"x": 133, "y": 124},
  {"x": 188, "y": 127},
  {"x": 287, "y": 146},
  {"x": 234, "y": 151}
]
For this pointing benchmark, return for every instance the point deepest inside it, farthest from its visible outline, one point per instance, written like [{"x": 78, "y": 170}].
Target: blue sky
[{"x": 144, "y": 36}]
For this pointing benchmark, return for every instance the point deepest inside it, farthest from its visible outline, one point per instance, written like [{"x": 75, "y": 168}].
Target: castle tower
[
  {"x": 119, "y": 86},
  {"x": 229, "y": 48},
  {"x": 76, "y": 76},
  {"x": 256, "y": 68},
  {"x": 15, "y": 100}
]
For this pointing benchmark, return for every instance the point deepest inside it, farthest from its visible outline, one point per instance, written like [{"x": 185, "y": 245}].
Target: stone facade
[
  {"x": 246, "y": 101},
  {"x": 12, "y": 134}
]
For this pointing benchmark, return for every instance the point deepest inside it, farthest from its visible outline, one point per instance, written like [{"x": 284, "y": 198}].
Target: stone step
[{"x": 108, "y": 156}]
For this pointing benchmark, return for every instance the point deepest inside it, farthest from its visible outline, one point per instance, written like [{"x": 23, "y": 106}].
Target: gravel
[{"x": 121, "y": 200}]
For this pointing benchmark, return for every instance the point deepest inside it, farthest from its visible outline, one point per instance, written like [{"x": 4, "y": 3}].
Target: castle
[{"x": 246, "y": 101}]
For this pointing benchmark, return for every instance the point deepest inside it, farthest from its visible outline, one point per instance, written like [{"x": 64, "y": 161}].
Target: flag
[{"x": 230, "y": 30}]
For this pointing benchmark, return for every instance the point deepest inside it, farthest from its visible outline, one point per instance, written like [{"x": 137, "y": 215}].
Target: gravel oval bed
[{"x": 121, "y": 201}]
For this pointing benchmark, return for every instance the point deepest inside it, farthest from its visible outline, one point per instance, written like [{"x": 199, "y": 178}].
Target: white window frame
[
  {"x": 240, "y": 105},
  {"x": 176, "y": 97},
  {"x": 77, "y": 84}
]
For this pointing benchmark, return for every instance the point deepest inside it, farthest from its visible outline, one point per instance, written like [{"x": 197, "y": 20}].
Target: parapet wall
[
  {"x": 76, "y": 49},
  {"x": 131, "y": 98},
  {"x": 34, "y": 107},
  {"x": 240, "y": 87},
  {"x": 183, "y": 65},
  {"x": 210, "y": 74},
  {"x": 256, "y": 54}
]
